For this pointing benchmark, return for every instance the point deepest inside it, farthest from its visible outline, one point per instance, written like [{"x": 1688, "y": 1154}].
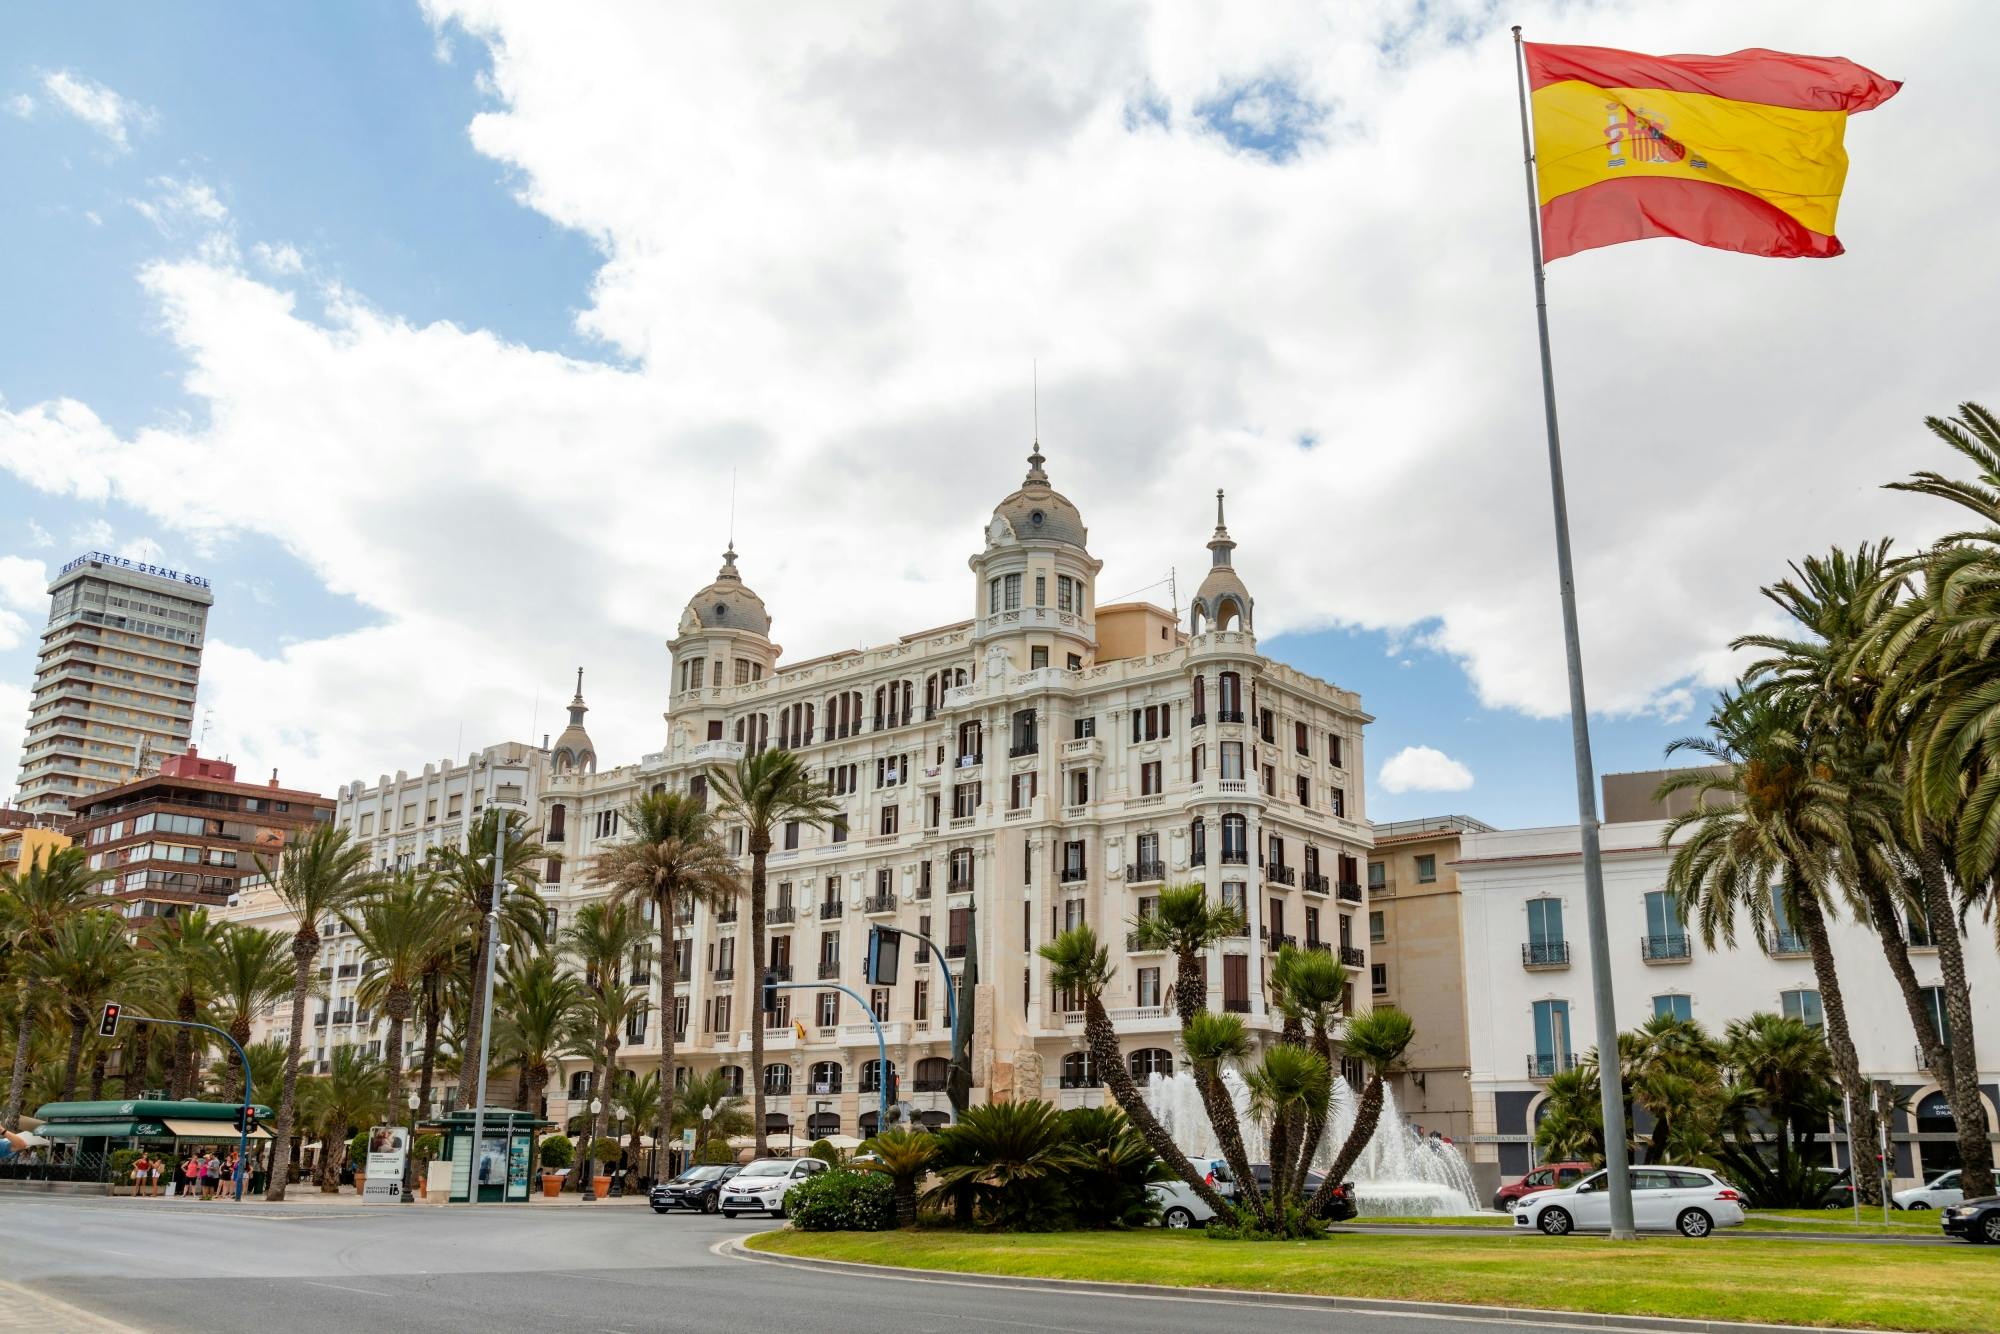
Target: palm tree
[
  {"x": 1311, "y": 991},
  {"x": 639, "y": 1095},
  {"x": 1670, "y": 1069},
  {"x": 1788, "y": 1063},
  {"x": 673, "y": 860},
  {"x": 1008, "y": 1157},
  {"x": 267, "y": 1066},
  {"x": 1768, "y": 816},
  {"x": 1378, "y": 1040},
  {"x": 251, "y": 973},
  {"x": 440, "y": 986},
  {"x": 398, "y": 925},
  {"x": 88, "y": 958},
  {"x": 1572, "y": 1124},
  {"x": 600, "y": 941},
  {"x": 354, "y": 1093},
  {"x": 1289, "y": 1085},
  {"x": 533, "y": 1022},
  {"x": 182, "y": 957},
  {"x": 34, "y": 904},
  {"x": 1082, "y": 967},
  {"x": 465, "y": 876},
  {"x": 319, "y": 874},
  {"x": 904, "y": 1156},
  {"x": 765, "y": 790},
  {"x": 1213, "y": 1041},
  {"x": 732, "y": 1116},
  {"x": 1186, "y": 923}
]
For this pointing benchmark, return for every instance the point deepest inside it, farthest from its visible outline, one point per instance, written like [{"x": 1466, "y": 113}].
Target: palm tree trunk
[
  {"x": 24, "y": 1031},
  {"x": 760, "y": 848},
  {"x": 98, "y": 1060},
  {"x": 670, "y": 967},
  {"x": 433, "y": 1015},
  {"x": 468, "y": 1048},
  {"x": 136, "y": 1068},
  {"x": 1937, "y": 1057},
  {"x": 332, "y": 1152},
  {"x": 305, "y": 946},
  {"x": 1105, "y": 1058},
  {"x": 538, "y": 1082},
  {"x": 1846, "y": 1064},
  {"x": 1190, "y": 985},
  {"x": 74, "y": 1064},
  {"x": 1961, "y": 1083},
  {"x": 184, "y": 1051},
  {"x": 1315, "y": 1125},
  {"x": 239, "y": 1028},
  {"x": 1221, "y": 1109},
  {"x": 1365, "y": 1118}
]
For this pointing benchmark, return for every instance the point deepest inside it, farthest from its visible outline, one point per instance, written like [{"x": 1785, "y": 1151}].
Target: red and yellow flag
[{"x": 1741, "y": 152}]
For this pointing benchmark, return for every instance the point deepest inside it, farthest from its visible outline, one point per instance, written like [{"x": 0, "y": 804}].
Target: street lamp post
[
  {"x": 707, "y": 1126},
  {"x": 618, "y": 1134},
  {"x": 590, "y": 1151},
  {"x": 410, "y": 1150},
  {"x": 492, "y": 932}
]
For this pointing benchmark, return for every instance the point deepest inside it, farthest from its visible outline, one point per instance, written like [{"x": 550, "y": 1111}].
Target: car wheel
[
  {"x": 1694, "y": 1223},
  {"x": 1555, "y": 1221},
  {"x": 1833, "y": 1204},
  {"x": 710, "y": 1205},
  {"x": 1178, "y": 1217},
  {"x": 1989, "y": 1227},
  {"x": 1916, "y": 1206},
  {"x": 661, "y": 1209},
  {"x": 729, "y": 1213},
  {"x": 1499, "y": 1205}
]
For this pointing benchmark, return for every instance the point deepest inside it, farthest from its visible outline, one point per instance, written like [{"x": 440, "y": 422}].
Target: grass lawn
[
  {"x": 1882, "y": 1287},
  {"x": 1762, "y": 1220}
]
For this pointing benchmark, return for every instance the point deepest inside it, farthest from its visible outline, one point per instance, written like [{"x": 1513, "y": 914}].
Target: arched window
[
  {"x": 881, "y": 693},
  {"x": 933, "y": 1120},
  {"x": 1934, "y": 1116},
  {"x": 871, "y": 1076},
  {"x": 821, "y": 1124},
  {"x": 1198, "y": 842},
  {"x": 777, "y": 1078},
  {"x": 932, "y": 1074},
  {"x": 825, "y": 1077},
  {"x": 1077, "y": 1072},
  {"x": 558, "y": 818},
  {"x": 870, "y": 1123},
  {"x": 1227, "y": 612},
  {"x": 1149, "y": 1061},
  {"x": 776, "y": 1123},
  {"x": 732, "y": 1079},
  {"x": 1229, "y": 701}
]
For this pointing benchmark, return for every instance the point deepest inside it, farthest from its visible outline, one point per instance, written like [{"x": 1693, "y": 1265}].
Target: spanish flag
[{"x": 1740, "y": 152}]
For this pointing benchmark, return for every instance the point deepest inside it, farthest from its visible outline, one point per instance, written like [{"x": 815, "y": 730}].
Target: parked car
[
  {"x": 1549, "y": 1176},
  {"x": 698, "y": 1188},
  {"x": 1180, "y": 1207},
  {"x": 763, "y": 1185},
  {"x": 1942, "y": 1190},
  {"x": 1975, "y": 1220},
  {"x": 1839, "y": 1192},
  {"x": 1690, "y": 1200},
  {"x": 1216, "y": 1172}
]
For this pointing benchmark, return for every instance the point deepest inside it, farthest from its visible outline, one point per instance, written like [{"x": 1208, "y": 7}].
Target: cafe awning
[
  {"x": 218, "y": 1131},
  {"x": 126, "y": 1129}
]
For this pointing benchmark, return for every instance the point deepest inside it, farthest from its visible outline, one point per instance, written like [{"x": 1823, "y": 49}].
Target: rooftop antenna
[
  {"x": 1174, "y": 591},
  {"x": 535, "y": 715},
  {"x": 1035, "y": 377},
  {"x": 732, "y": 547},
  {"x": 207, "y": 715}
]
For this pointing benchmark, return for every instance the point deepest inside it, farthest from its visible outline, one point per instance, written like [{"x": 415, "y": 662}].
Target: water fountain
[{"x": 1398, "y": 1173}]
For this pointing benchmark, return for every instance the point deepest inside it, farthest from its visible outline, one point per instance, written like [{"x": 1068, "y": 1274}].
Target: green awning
[{"x": 97, "y": 1129}]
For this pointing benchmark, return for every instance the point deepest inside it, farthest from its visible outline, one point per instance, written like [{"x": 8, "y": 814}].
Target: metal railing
[
  {"x": 1665, "y": 949},
  {"x": 1544, "y": 1065},
  {"x": 1315, "y": 883},
  {"x": 1147, "y": 870},
  {"x": 1236, "y": 1004},
  {"x": 1788, "y": 944},
  {"x": 783, "y": 915},
  {"x": 831, "y": 908},
  {"x": 1545, "y": 954},
  {"x": 1071, "y": 874},
  {"x": 1281, "y": 875},
  {"x": 1348, "y": 891},
  {"x": 1235, "y": 857},
  {"x": 1353, "y": 956},
  {"x": 1229, "y": 715},
  {"x": 879, "y": 903},
  {"x": 1132, "y": 945},
  {"x": 1025, "y": 748},
  {"x": 829, "y": 968}
]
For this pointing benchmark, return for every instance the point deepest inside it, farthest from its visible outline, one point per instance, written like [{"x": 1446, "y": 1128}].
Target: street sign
[{"x": 107, "y": 1027}]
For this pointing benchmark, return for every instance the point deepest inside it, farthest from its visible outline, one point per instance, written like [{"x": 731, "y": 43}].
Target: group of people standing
[{"x": 203, "y": 1173}]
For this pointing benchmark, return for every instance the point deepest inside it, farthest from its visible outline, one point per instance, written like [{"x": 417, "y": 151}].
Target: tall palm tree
[
  {"x": 533, "y": 1026},
  {"x": 440, "y": 988},
  {"x": 672, "y": 860},
  {"x": 600, "y": 941},
  {"x": 1764, "y": 837},
  {"x": 639, "y": 1095},
  {"x": 1187, "y": 924},
  {"x": 319, "y": 874},
  {"x": 465, "y": 875},
  {"x": 34, "y": 904},
  {"x": 1213, "y": 1041},
  {"x": 398, "y": 925},
  {"x": 252, "y": 971},
  {"x": 1082, "y": 967},
  {"x": 354, "y": 1093},
  {"x": 1311, "y": 991},
  {"x": 88, "y": 958},
  {"x": 763, "y": 791},
  {"x": 182, "y": 957},
  {"x": 1289, "y": 1086},
  {"x": 732, "y": 1114},
  {"x": 1378, "y": 1040}
]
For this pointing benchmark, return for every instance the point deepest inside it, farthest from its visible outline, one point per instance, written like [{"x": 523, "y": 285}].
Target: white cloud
[
  {"x": 99, "y": 107},
  {"x": 177, "y": 203},
  {"x": 38, "y": 536},
  {"x": 24, "y": 585},
  {"x": 13, "y": 704},
  {"x": 1423, "y": 769},
  {"x": 22, "y": 105},
  {"x": 832, "y": 246},
  {"x": 281, "y": 259}
]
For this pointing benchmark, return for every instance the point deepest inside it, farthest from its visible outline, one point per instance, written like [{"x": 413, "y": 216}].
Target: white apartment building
[
  {"x": 1527, "y": 960},
  {"x": 115, "y": 680}
]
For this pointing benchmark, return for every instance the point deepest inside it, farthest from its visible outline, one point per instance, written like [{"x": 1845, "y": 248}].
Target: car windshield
[
  {"x": 769, "y": 1168},
  {"x": 1594, "y": 1180},
  {"x": 701, "y": 1174}
]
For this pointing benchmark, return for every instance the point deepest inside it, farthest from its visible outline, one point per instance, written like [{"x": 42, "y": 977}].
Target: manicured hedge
[{"x": 841, "y": 1201}]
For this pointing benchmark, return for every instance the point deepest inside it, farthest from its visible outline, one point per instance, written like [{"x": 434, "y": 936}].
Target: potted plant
[
  {"x": 558, "y": 1153},
  {"x": 607, "y": 1151},
  {"x": 357, "y": 1153}
]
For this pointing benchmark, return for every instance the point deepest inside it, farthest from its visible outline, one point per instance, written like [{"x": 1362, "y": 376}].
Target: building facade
[
  {"x": 115, "y": 682},
  {"x": 187, "y": 836},
  {"x": 27, "y": 838},
  {"x": 1416, "y": 962},
  {"x": 1521, "y": 893}
]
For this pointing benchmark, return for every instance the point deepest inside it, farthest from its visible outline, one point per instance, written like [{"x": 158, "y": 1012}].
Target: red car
[{"x": 1549, "y": 1176}]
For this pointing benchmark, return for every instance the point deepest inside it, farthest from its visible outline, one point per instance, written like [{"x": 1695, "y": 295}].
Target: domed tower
[
  {"x": 1035, "y": 582},
  {"x": 573, "y": 754},
  {"x": 724, "y": 639},
  {"x": 1222, "y": 602}
]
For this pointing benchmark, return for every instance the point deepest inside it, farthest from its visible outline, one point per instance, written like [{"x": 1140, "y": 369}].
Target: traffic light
[
  {"x": 246, "y": 1119},
  {"x": 770, "y": 991},
  {"x": 885, "y": 947},
  {"x": 107, "y": 1027}
]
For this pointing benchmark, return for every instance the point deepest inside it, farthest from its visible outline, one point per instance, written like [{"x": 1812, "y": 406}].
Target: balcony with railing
[
  {"x": 1315, "y": 883},
  {"x": 831, "y": 908},
  {"x": 1279, "y": 940},
  {"x": 1324, "y": 946},
  {"x": 1143, "y": 872},
  {"x": 1353, "y": 955},
  {"x": 1070, "y": 875},
  {"x": 725, "y": 916},
  {"x": 1229, "y": 715},
  {"x": 829, "y": 968},
  {"x": 958, "y": 884},
  {"x": 1020, "y": 749},
  {"x": 1545, "y": 954},
  {"x": 879, "y": 903},
  {"x": 1198, "y": 719},
  {"x": 783, "y": 914},
  {"x": 1236, "y": 1004},
  {"x": 1133, "y": 945},
  {"x": 1789, "y": 945},
  {"x": 1348, "y": 891},
  {"x": 725, "y": 974},
  {"x": 1548, "y": 1064},
  {"x": 954, "y": 951},
  {"x": 1665, "y": 949},
  {"x": 1235, "y": 857},
  {"x": 1281, "y": 875},
  {"x": 781, "y": 972},
  {"x": 928, "y": 1085}
]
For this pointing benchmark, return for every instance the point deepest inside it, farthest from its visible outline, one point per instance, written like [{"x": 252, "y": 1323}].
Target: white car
[
  {"x": 764, "y": 1184},
  {"x": 1180, "y": 1207},
  {"x": 1943, "y": 1190},
  {"x": 1690, "y": 1200}
]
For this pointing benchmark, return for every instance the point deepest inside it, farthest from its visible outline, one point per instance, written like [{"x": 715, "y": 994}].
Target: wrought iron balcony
[
  {"x": 1316, "y": 883},
  {"x": 1235, "y": 857},
  {"x": 1071, "y": 874},
  {"x": 1025, "y": 748},
  {"x": 958, "y": 884},
  {"x": 1281, "y": 875},
  {"x": 1788, "y": 945},
  {"x": 1079, "y": 1082},
  {"x": 1199, "y": 857},
  {"x": 1545, "y": 954},
  {"x": 1132, "y": 945},
  {"x": 831, "y": 908},
  {"x": 954, "y": 951},
  {"x": 879, "y": 903},
  {"x": 829, "y": 968},
  {"x": 1281, "y": 940},
  {"x": 1229, "y": 715},
  {"x": 1348, "y": 891},
  {"x": 781, "y": 971},
  {"x": 1665, "y": 949},
  {"x": 1325, "y": 947},
  {"x": 1353, "y": 956},
  {"x": 927, "y": 1086},
  {"x": 1545, "y": 1065},
  {"x": 1141, "y": 872},
  {"x": 782, "y": 915},
  {"x": 725, "y": 974},
  {"x": 725, "y": 916},
  {"x": 1236, "y": 1004}
]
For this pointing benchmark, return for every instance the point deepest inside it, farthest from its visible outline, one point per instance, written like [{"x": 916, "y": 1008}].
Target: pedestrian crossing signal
[{"x": 107, "y": 1027}]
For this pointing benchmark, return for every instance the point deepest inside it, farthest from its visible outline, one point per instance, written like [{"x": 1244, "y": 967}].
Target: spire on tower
[{"x": 1221, "y": 544}]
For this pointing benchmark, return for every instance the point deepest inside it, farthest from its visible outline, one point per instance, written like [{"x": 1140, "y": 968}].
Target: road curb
[{"x": 734, "y": 1248}]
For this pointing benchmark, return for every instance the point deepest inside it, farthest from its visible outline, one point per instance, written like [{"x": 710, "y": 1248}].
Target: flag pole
[{"x": 1609, "y": 1075}]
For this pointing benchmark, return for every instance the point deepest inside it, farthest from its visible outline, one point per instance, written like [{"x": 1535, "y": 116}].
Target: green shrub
[
  {"x": 826, "y": 1153},
  {"x": 842, "y": 1201},
  {"x": 1295, "y": 1225},
  {"x": 357, "y": 1151},
  {"x": 121, "y": 1166},
  {"x": 1110, "y": 1187},
  {"x": 427, "y": 1147},
  {"x": 607, "y": 1151},
  {"x": 717, "y": 1152},
  {"x": 1006, "y": 1163},
  {"x": 557, "y": 1151}
]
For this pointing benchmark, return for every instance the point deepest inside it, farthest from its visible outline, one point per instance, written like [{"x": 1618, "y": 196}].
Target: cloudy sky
[{"x": 434, "y": 335}]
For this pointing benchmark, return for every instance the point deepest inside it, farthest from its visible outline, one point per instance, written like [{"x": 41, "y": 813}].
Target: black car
[
  {"x": 1975, "y": 1220},
  {"x": 698, "y": 1188},
  {"x": 1341, "y": 1209}
]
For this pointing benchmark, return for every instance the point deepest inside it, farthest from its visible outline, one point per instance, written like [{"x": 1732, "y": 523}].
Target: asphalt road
[{"x": 419, "y": 1268}]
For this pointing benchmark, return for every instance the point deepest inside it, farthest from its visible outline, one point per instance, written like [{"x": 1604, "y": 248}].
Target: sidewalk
[{"x": 309, "y": 1198}]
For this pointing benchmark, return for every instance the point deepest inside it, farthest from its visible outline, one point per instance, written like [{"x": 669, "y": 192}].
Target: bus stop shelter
[{"x": 500, "y": 1164}]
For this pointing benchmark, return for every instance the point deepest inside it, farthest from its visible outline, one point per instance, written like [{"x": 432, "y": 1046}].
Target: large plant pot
[
  {"x": 602, "y": 1185},
  {"x": 552, "y": 1187},
  {"x": 359, "y": 1179}
]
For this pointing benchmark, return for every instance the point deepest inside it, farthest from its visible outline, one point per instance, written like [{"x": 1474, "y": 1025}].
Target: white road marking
[{"x": 313, "y": 1282}]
